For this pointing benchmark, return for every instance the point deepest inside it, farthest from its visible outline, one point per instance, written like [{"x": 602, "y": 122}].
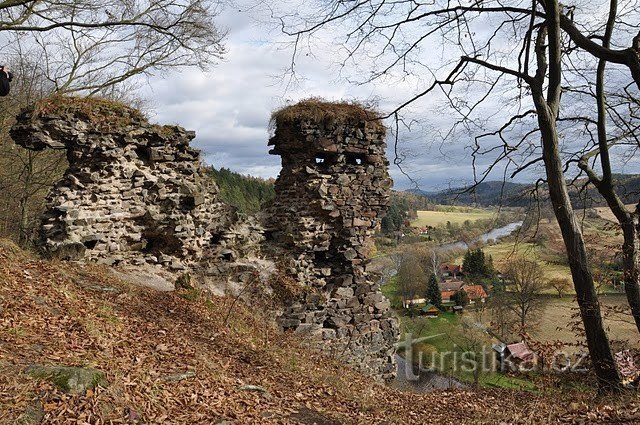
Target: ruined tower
[{"x": 330, "y": 196}]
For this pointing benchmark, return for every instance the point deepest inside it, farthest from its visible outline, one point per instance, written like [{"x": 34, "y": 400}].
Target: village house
[
  {"x": 430, "y": 310},
  {"x": 476, "y": 293},
  {"x": 446, "y": 295},
  {"x": 450, "y": 285},
  {"x": 451, "y": 271},
  {"x": 512, "y": 357},
  {"x": 415, "y": 301}
]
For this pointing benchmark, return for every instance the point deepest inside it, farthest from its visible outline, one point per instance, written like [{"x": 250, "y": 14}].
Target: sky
[{"x": 230, "y": 105}]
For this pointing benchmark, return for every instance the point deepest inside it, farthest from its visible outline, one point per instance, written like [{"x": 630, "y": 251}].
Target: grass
[
  {"x": 437, "y": 218},
  {"x": 554, "y": 321},
  {"x": 552, "y": 264},
  {"x": 97, "y": 110},
  {"x": 320, "y": 110},
  {"x": 444, "y": 331}
]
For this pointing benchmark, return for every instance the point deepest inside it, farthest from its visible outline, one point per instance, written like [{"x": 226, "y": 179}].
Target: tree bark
[
  {"x": 547, "y": 112},
  {"x": 597, "y": 340},
  {"x": 631, "y": 264}
]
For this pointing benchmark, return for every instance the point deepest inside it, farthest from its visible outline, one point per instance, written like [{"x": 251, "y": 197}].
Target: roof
[
  {"x": 429, "y": 307},
  {"x": 453, "y": 268},
  {"x": 447, "y": 294},
  {"x": 475, "y": 291},
  {"x": 520, "y": 351},
  {"x": 451, "y": 285}
]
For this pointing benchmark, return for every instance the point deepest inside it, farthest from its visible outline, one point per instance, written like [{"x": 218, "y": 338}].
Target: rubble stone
[
  {"x": 330, "y": 195},
  {"x": 133, "y": 191},
  {"x": 136, "y": 194}
]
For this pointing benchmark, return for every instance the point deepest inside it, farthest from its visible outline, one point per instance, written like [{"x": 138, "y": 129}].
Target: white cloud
[{"x": 230, "y": 106}]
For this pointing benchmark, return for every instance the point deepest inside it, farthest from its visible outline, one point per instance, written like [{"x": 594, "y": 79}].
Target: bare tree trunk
[
  {"x": 631, "y": 264},
  {"x": 628, "y": 221},
  {"x": 597, "y": 340},
  {"x": 547, "y": 109}
]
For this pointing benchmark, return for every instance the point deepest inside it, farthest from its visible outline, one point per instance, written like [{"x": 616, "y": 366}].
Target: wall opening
[
  {"x": 355, "y": 158},
  {"x": 324, "y": 159}
]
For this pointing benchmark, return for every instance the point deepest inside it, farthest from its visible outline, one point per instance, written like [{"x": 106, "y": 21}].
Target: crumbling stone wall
[
  {"x": 136, "y": 193},
  {"x": 133, "y": 193},
  {"x": 330, "y": 196}
]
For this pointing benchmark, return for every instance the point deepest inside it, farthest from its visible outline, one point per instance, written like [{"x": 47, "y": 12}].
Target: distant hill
[
  {"x": 246, "y": 193},
  {"x": 510, "y": 194},
  {"x": 485, "y": 194}
]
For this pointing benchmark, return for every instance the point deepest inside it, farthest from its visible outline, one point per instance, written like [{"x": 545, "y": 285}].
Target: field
[
  {"x": 454, "y": 215},
  {"x": 552, "y": 265},
  {"x": 602, "y": 239},
  {"x": 554, "y": 322}
]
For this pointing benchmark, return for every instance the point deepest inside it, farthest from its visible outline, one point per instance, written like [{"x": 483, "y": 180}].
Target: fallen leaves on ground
[{"x": 172, "y": 359}]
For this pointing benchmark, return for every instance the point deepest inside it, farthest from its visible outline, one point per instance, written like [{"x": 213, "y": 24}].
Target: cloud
[{"x": 230, "y": 106}]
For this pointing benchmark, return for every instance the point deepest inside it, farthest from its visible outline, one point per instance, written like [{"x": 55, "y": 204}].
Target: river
[
  {"x": 493, "y": 234},
  {"x": 409, "y": 379}
]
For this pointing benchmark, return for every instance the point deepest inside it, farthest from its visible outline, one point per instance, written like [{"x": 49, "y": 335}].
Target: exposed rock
[
  {"x": 73, "y": 380},
  {"x": 330, "y": 196}
]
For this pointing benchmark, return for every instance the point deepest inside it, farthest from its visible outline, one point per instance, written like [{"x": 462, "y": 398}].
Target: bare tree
[
  {"x": 526, "y": 283},
  {"x": 515, "y": 51},
  {"x": 88, "y": 48},
  {"x": 561, "y": 285},
  {"x": 93, "y": 46},
  {"x": 503, "y": 322},
  {"x": 411, "y": 278}
]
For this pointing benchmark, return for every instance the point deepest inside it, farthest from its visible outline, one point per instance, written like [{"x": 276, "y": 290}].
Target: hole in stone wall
[
  {"x": 90, "y": 244},
  {"x": 355, "y": 158},
  {"x": 161, "y": 241},
  {"x": 187, "y": 202},
  {"x": 324, "y": 159},
  {"x": 142, "y": 152}
]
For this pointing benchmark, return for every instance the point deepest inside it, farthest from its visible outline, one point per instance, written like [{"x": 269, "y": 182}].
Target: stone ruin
[
  {"x": 133, "y": 193},
  {"x": 330, "y": 196},
  {"x": 136, "y": 193}
]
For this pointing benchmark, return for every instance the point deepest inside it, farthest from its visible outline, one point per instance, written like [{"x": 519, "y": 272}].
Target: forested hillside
[
  {"x": 403, "y": 206},
  {"x": 246, "y": 193},
  {"x": 510, "y": 194}
]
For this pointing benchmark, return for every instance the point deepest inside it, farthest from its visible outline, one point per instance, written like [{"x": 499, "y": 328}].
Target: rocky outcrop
[
  {"x": 330, "y": 196},
  {"x": 133, "y": 193}
]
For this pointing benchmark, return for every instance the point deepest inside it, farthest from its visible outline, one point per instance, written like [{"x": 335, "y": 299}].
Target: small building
[
  {"x": 458, "y": 309},
  {"x": 415, "y": 301},
  {"x": 513, "y": 356},
  {"x": 430, "y": 310},
  {"x": 476, "y": 293},
  {"x": 446, "y": 295},
  {"x": 450, "y": 285},
  {"x": 452, "y": 271}
]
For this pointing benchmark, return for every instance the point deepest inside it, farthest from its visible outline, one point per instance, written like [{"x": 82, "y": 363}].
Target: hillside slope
[
  {"x": 509, "y": 194},
  {"x": 183, "y": 358}
]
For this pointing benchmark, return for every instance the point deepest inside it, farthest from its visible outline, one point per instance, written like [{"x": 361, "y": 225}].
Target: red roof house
[{"x": 475, "y": 293}]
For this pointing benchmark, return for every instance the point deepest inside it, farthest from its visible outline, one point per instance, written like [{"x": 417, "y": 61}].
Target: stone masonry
[
  {"x": 136, "y": 193},
  {"x": 133, "y": 193},
  {"x": 330, "y": 196}
]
